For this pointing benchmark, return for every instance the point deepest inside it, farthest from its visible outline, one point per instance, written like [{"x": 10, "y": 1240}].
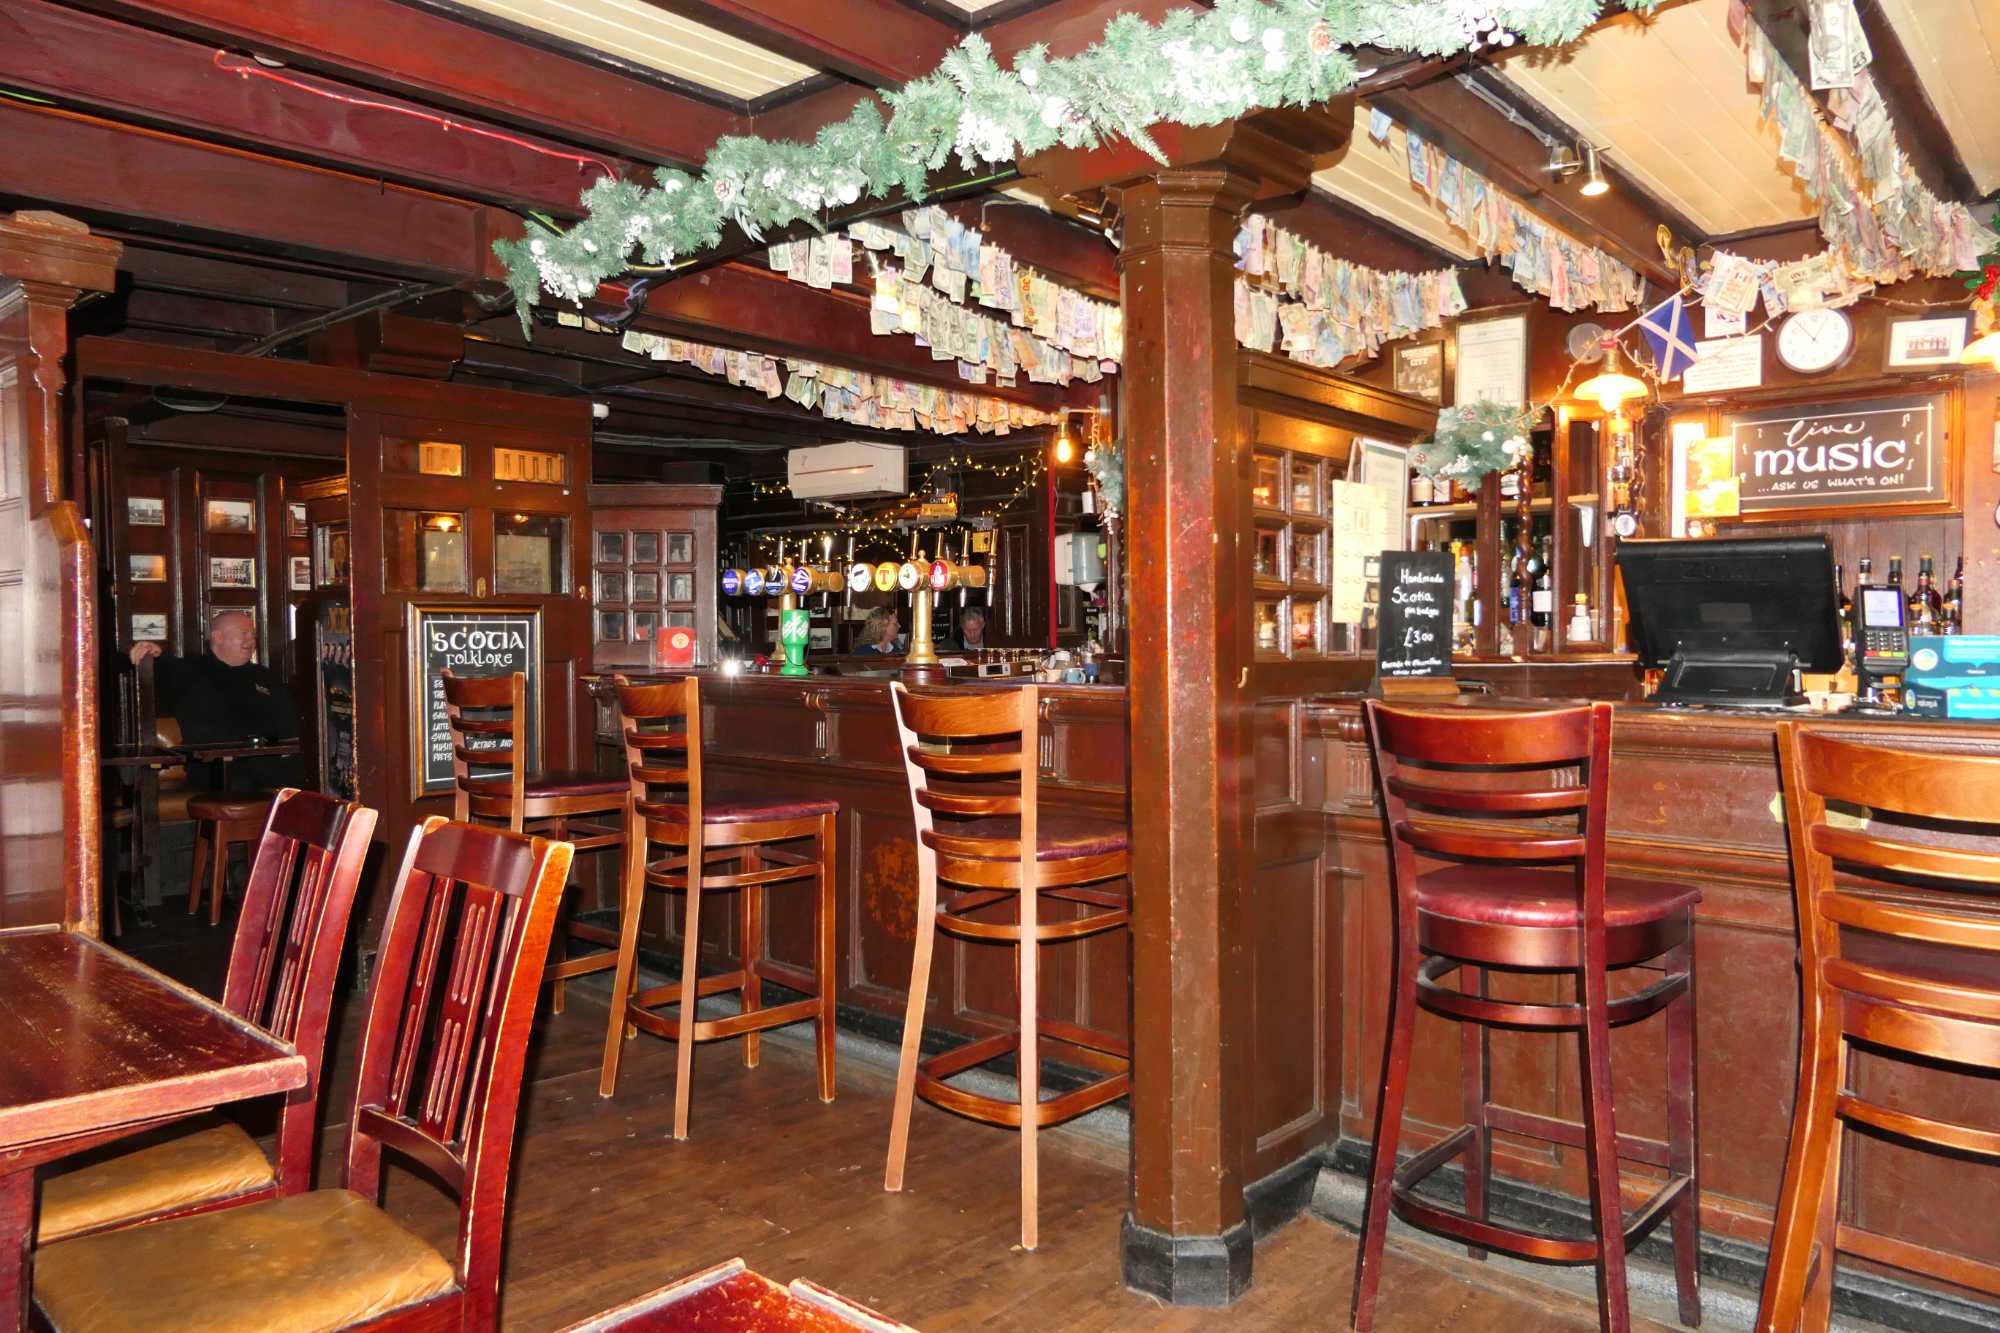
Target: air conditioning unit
[
  {"x": 847, "y": 471},
  {"x": 1078, "y": 561}
]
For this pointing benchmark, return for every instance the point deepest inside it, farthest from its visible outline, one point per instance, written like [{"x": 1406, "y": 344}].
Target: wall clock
[{"x": 1815, "y": 341}]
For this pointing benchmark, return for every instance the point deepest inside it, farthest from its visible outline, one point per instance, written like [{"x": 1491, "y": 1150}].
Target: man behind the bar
[
  {"x": 971, "y": 629},
  {"x": 223, "y": 697}
]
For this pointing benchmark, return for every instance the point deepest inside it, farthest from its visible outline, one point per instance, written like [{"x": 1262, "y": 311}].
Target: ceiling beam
[
  {"x": 432, "y": 59},
  {"x": 92, "y": 63},
  {"x": 881, "y": 43},
  {"x": 161, "y": 183},
  {"x": 1511, "y": 157}
]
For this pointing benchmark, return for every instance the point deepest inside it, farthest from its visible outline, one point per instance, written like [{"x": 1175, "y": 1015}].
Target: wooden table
[
  {"x": 729, "y": 1298},
  {"x": 95, "y": 1045}
]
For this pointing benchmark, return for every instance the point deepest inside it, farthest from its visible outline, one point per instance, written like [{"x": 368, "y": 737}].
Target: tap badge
[
  {"x": 753, "y": 582},
  {"x": 940, "y": 575},
  {"x": 908, "y": 577},
  {"x": 732, "y": 582},
  {"x": 859, "y": 577},
  {"x": 885, "y": 576},
  {"x": 802, "y": 580}
]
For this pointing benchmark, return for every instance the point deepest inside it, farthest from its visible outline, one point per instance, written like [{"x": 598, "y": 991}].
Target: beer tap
[{"x": 920, "y": 663}]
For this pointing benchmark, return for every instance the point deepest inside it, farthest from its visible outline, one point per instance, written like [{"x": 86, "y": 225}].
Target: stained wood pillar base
[{"x": 1186, "y": 1270}]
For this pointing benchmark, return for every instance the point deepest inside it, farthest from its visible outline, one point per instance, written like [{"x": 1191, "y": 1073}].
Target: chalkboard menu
[
  {"x": 1877, "y": 451},
  {"x": 1415, "y": 638},
  {"x": 471, "y": 641}
]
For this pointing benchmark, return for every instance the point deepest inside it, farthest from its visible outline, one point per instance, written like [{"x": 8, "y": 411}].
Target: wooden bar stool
[
  {"x": 756, "y": 833},
  {"x": 1534, "y": 900},
  {"x": 282, "y": 967},
  {"x": 972, "y": 758},
  {"x": 1901, "y": 952},
  {"x": 586, "y": 810},
  {"x": 222, "y": 820}
]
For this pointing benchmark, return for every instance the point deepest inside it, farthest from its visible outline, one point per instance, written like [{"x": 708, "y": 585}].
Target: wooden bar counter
[{"x": 1694, "y": 797}]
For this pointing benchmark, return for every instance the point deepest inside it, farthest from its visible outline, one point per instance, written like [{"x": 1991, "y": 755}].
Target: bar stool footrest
[
  {"x": 1463, "y": 1227},
  {"x": 932, "y": 1073}
]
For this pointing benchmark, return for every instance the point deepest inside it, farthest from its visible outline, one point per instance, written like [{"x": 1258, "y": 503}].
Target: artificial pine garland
[
  {"x": 1473, "y": 440},
  {"x": 1193, "y": 68}
]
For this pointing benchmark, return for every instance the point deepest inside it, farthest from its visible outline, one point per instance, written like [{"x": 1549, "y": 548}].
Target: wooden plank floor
[{"x": 606, "y": 1206}]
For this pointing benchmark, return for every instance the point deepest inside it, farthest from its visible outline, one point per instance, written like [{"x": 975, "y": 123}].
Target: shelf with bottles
[
  {"x": 1289, "y": 565},
  {"x": 1515, "y": 597}
]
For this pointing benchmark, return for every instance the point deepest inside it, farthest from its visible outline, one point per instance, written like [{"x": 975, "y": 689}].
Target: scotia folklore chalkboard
[{"x": 471, "y": 641}]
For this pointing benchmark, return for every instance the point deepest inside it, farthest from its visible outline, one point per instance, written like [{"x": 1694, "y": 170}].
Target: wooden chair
[
  {"x": 282, "y": 967},
  {"x": 1529, "y": 900},
  {"x": 587, "y": 810},
  {"x": 1899, "y": 950},
  {"x": 972, "y": 758},
  {"x": 671, "y": 805},
  {"x": 441, "y": 1062},
  {"x": 223, "y": 821}
]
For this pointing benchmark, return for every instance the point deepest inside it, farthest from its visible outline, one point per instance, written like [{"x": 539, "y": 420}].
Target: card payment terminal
[{"x": 1881, "y": 639}]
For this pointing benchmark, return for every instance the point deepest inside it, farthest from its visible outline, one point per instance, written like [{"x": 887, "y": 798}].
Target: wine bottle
[
  {"x": 1422, "y": 489},
  {"x": 1954, "y": 601},
  {"x": 1922, "y": 606},
  {"x": 1896, "y": 574},
  {"x": 1542, "y": 601}
]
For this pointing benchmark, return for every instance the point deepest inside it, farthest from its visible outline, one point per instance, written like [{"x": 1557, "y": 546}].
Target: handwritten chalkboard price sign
[
  {"x": 470, "y": 641},
  {"x": 1413, "y": 648}
]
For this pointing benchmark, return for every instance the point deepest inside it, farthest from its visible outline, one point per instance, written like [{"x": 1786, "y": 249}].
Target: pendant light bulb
[
  {"x": 1983, "y": 350},
  {"x": 1594, "y": 183},
  {"x": 1611, "y": 386},
  {"x": 1065, "y": 448}
]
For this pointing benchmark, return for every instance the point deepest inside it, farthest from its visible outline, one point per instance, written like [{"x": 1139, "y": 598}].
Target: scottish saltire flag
[{"x": 1670, "y": 333}]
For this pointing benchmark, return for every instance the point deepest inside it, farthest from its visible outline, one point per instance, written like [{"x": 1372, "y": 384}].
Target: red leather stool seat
[
  {"x": 1493, "y": 895},
  {"x": 733, "y": 807},
  {"x": 551, "y": 784},
  {"x": 1057, "y": 837}
]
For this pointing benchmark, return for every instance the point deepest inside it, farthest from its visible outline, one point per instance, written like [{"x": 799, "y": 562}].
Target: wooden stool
[
  {"x": 586, "y": 810},
  {"x": 222, "y": 820},
  {"x": 1903, "y": 953},
  {"x": 661, "y": 725},
  {"x": 972, "y": 757},
  {"x": 1534, "y": 901}
]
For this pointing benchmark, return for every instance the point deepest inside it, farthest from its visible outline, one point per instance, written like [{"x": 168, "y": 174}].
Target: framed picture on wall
[
  {"x": 302, "y": 573},
  {"x": 296, "y": 524},
  {"x": 232, "y": 572},
  {"x": 149, "y": 568},
  {"x": 1419, "y": 371},
  {"x": 1926, "y": 340},
  {"x": 146, "y": 511},
  {"x": 148, "y": 627},
  {"x": 236, "y": 516}
]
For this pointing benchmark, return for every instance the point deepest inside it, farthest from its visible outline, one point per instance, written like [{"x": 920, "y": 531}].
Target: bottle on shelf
[
  {"x": 1896, "y": 574},
  {"x": 1542, "y": 597},
  {"x": 1422, "y": 490},
  {"x": 1925, "y": 609},
  {"x": 1954, "y": 601},
  {"x": 1581, "y": 630},
  {"x": 1846, "y": 610}
]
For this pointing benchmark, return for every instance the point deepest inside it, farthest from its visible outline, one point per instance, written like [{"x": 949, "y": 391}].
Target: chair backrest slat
[
  {"x": 457, "y": 978},
  {"x": 1455, "y": 784},
  {"x": 972, "y": 754},
  {"x": 496, "y": 705},
  {"x": 1924, "y": 866},
  {"x": 289, "y": 940},
  {"x": 661, "y": 726}
]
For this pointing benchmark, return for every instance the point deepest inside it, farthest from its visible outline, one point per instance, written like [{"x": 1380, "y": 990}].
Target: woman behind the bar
[{"x": 879, "y": 632}]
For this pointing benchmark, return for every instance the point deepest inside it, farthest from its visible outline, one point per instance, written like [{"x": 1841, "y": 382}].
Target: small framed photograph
[
  {"x": 610, "y": 585},
  {"x": 232, "y": 572},
  {"x": 680, "y": 548},
  {"x": 296, "y": 524},
  {"x": 234, "y": 516},
  {"x": 646, "y": 586},
  {"x": 645, "y": 624},
  {"x": 645, "y": 548},
  {"x": 680, "y": 587},
  {"x": 149, "y": 627},
  {"x": 1419, "y": 371},
  {"x": 610, "y": 548},
  {"x": 146, "y": 511},
  {"x": 149, "y": 569},
  {"x": 302, "y": 573},
  {"x": 611, "y": 627},
  {"x": 1919, "y": 341},
  {"x": 679, "y": 620}
]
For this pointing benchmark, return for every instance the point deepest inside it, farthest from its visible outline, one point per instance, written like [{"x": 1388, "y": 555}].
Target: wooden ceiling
[{"x": 1954, "y": 47}]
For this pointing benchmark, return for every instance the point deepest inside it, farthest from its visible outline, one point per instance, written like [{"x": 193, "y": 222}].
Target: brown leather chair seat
[
  {"x": 1058, "y": 837},
  {"x": 229, "y": 807},
  {"x": 551, "y": 784},
  {"x": 742, "y": 808},
  {"x": 1500, "y": 895},
  {"x": 217, "y": 1160},
  {"x": 327, "y": 1259}
]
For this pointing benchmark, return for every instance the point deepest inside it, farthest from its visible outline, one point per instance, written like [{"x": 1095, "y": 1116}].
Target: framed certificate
[{"x": 1492, "y": 363}]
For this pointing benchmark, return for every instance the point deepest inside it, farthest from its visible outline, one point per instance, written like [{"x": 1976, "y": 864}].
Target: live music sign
[{"x": 1877, "y": 451}]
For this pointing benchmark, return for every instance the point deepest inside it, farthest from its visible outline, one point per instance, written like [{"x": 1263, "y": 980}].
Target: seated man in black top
[
  {"x": 971, "y": 629},
  {"x": 223, "y": 697}
]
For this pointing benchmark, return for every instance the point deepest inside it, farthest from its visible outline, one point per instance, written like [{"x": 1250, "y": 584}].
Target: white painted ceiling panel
[
  {"x": 1375, "y": 178},
  {"x": 1667, "y": 98},
  {"x": 645, "y": 35},
  {"x": 1954, "y": 46}
]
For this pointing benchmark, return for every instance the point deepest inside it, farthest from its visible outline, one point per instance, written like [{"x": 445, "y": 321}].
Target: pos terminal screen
[{"x": 1881, "y": 607}]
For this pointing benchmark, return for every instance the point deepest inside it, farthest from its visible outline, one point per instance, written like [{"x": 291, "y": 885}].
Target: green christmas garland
[
  {"x": 1193, "y": 68},
  {"x": 1473, "y": 440}
]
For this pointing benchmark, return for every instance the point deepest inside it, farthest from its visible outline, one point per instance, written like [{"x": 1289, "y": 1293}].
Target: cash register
[{"x": 1731, "y": 622}]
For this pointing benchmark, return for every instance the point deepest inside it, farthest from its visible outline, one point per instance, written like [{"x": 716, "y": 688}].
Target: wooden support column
[
  {"x": 1187, "y": 542},
  {"x": 1189, "y": 634}
]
